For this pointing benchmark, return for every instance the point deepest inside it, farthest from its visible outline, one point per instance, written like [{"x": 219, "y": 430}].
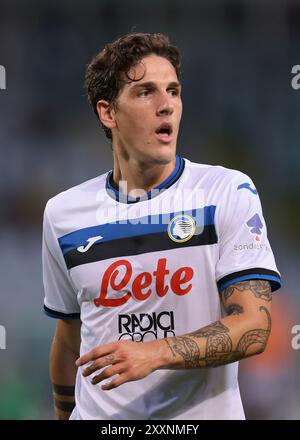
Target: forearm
[
  {"x": 244, "y": 332},
  {"x": 63, "y": 375},
  {"x": 227, "y": 340}
]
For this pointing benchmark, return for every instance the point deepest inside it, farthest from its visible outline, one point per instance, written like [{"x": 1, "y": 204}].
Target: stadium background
[{"x": 240, "y": 111}]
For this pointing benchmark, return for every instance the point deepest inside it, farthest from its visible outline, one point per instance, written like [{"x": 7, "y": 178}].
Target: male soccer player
[{"x": 159, "y": 272}]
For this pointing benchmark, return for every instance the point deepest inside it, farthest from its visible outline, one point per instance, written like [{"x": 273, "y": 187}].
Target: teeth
[{"x": 164, "y": 130}]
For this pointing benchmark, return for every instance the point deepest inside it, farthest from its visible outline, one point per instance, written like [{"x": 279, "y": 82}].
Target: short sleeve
[
  {"x": 60, "y": 296},
  {"x": 245, "y": 252}
]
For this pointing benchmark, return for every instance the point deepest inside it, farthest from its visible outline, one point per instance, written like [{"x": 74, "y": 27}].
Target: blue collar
[{"x": 114, "y": 192}]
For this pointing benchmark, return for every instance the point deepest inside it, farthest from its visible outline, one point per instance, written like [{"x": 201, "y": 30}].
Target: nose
[{"x": 164, "y": 105}]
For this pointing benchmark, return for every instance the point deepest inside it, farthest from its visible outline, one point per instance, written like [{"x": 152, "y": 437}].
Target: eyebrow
[{"x": 151, "y": 84}]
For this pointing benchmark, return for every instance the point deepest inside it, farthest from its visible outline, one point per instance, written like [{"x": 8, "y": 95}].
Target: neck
[{"x": 136, "y": 177}]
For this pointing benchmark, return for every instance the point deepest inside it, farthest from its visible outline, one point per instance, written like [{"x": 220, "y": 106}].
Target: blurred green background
[{"x": 240, "y": 111}]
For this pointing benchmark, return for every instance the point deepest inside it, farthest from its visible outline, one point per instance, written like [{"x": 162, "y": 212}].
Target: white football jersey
[{"x": 150, "y": 268}]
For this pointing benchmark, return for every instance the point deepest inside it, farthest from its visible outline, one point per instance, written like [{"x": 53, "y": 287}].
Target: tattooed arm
[
  {"x": 64, "y": 352},
  {"x": 243, "y": 332}
]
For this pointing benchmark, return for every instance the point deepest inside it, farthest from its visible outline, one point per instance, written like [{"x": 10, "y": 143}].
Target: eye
[
  {"x": 174, "y": 92},
  {"x": 144, "y": 93}
]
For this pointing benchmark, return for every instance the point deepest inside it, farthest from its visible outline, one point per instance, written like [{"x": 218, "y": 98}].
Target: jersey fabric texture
[{"x": 153, "y": 267}]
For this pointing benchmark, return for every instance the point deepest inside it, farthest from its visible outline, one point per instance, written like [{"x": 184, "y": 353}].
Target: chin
[{"x": 163, "y": 155}]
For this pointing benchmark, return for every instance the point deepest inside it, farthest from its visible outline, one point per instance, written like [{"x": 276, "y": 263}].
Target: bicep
[{"x": 251, "y": 299}]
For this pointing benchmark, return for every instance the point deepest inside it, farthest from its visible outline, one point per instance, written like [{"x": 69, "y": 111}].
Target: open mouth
[{"x": 164, "y": 132}]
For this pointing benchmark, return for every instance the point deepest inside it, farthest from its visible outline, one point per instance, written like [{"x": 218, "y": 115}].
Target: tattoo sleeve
[
  {"x": 260, "y": 288},
  {"x": 64, "y": 400},
  {"x": 233, "y": 337}
]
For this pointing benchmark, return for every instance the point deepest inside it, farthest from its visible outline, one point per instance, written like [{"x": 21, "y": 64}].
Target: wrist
[{"x": 163, "y": 356}]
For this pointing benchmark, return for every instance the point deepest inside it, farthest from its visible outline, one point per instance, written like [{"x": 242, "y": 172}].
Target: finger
[
  {"x": 92, "y": 355},
  {"x": 110, "y": 359},
  {"x": 120, "y": 380},
  {"x": 107, "y": 373}
]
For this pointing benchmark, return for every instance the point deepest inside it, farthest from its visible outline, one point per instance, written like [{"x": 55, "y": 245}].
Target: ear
[{"x": 106, "y": 113}]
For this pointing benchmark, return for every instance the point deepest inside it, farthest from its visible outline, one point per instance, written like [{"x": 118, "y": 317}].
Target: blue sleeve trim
[
  {"x": 253, "y": 277},
  {"x": 60, "y": 315},
  {"x": 251, "y": 274}
]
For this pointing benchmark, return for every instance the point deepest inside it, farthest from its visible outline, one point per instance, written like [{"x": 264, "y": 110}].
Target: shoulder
[
  {"x": 79, "y": 195},
  {"x": 218, "y": 175}
]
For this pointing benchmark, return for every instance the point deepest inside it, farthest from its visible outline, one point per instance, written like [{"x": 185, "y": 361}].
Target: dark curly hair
[{"x": 108, "y": 71}]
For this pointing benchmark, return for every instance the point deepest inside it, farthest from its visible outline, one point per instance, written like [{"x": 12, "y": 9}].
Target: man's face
[{"x": 148, "y": 112}]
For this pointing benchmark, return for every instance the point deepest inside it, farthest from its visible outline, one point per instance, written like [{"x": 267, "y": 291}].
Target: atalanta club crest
[{"x": 181, "y": 228}]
